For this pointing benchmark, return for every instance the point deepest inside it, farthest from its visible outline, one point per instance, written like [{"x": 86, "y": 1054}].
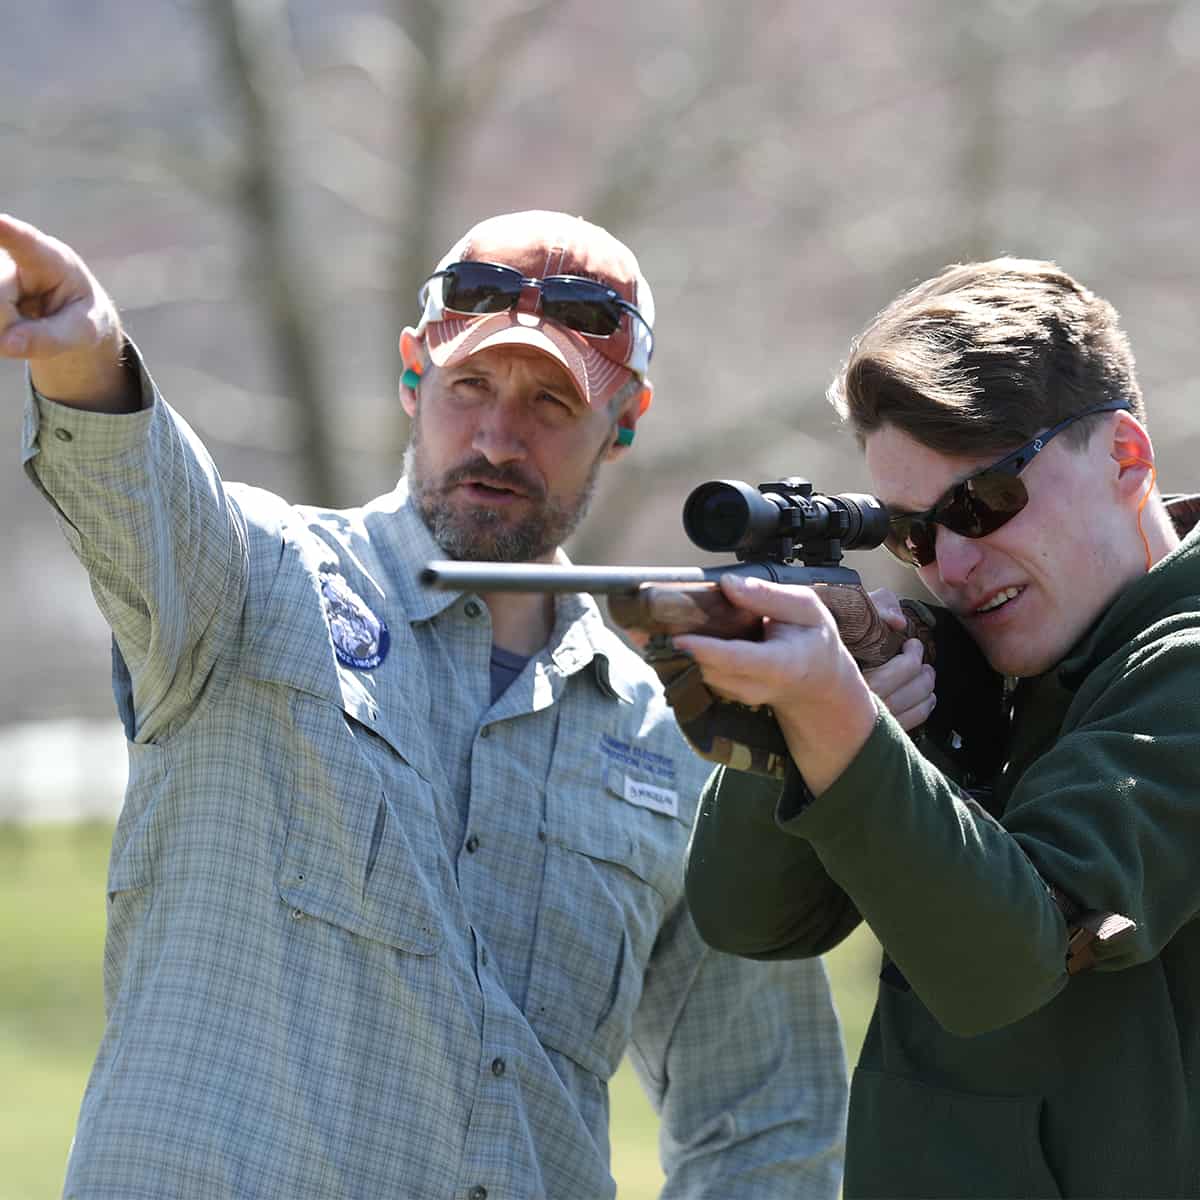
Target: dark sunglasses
[
  {"x": 476, "y": 288},
  {"x": 977, "y": 506}
]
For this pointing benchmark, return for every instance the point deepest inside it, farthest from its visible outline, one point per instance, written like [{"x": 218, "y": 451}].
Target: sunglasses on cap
[
  {"x": 584, "y": 305},
  {"x": 977, "y": 506}
]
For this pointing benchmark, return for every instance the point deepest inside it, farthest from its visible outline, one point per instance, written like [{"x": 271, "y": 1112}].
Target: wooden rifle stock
[
  {"x": 658, "y": 608},
  {"x": 674, "y": 600}
]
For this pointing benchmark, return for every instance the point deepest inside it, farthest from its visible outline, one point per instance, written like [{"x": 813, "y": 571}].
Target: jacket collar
[{"x": 1173, "y": 578}]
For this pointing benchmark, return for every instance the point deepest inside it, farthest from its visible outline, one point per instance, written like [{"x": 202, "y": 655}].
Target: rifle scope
[{"x": 774, "y": 519}]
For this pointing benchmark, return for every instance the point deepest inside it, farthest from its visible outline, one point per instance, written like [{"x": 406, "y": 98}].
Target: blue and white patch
[{"x": 360, "y": 638}]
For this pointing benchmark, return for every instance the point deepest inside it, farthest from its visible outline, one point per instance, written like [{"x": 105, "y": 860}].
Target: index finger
[
  {"x": 13, "y": 231},
  {"x": 9, "y": 290},
  {"x": 792, "y": 603},
  {"x": 26, "y": 244}
]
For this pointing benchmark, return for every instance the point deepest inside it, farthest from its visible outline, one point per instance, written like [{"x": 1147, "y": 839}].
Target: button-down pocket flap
[
  {"x": 628, "y": 822},
  {"x": 613, "y": 866},
  {"x": 370, "y": 883},
  {"x": 361, "y": 845},
  {"x": 390, "y": 718},
  {"x": 294, "y": 649}
]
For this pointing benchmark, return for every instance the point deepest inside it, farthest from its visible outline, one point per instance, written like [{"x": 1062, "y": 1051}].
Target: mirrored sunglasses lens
[
  {"x": 474, "y": 288},
  {"x": 582, "y": 315},
  {"x": 911, "y": 541},
  {"x": 983, "y": 504},
  {"x": 581, "y": 307}
]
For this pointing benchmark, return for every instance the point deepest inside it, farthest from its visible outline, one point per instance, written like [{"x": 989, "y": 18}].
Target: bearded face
[{"x": 470, "y": 529}]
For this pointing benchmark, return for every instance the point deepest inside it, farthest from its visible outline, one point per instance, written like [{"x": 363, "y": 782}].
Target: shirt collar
[
  {"x": 579, "y": 639},
  {"x": 405, "y": 544}
]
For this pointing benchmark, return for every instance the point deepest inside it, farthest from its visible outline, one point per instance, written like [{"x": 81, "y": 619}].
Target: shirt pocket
[
  {"x": 612, "y": 870},
  {"x": 919, "y": 1141},
  {"x": 360, "y": 849}
]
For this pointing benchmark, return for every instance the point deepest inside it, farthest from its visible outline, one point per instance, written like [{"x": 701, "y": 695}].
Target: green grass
[{"x": 52, "y": 930}]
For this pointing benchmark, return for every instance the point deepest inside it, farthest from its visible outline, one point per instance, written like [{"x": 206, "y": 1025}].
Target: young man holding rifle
[{"x": 1036, "y": 1031}]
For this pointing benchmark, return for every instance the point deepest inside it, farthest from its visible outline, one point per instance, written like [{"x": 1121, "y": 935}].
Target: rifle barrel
[{"x": 457, "y": 576}]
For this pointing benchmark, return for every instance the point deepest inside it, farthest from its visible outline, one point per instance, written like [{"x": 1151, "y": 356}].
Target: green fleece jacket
[{"x": 988, "y": 1071}]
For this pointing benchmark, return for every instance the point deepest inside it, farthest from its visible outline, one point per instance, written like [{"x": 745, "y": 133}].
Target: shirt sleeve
[
  {"x": 1105, "y": 814},
  {"x": 752, "y": 890},
  {"x": 143, "y": 508},
  {"x": 948, "y": 891},
  {"x": 744, "y": 1063}
]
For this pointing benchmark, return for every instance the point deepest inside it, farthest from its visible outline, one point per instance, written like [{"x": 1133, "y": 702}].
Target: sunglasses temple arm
[
  {"x": 423, "y": 292},
  {"x": 625, "y": 306}
]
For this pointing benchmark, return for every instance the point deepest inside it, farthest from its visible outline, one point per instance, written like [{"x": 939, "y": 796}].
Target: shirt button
[
  {"x": 483, "y": 957},
  {"x": 486, "y": 731},
  {"x": 297, "y": 914},
  {"x": 63, "y": 435},
  {"x": 478, "y": 1192},
  {"x": 472, "y": 608},
  {"x": 472, "y": 844},
  {"x": 497, "y": 1067}
]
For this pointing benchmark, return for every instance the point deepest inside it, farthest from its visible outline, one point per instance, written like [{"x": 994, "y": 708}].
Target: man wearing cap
[{"x": 398, "y": 877}]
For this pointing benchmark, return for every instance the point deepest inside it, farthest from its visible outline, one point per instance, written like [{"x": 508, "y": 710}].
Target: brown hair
[{"x": 983, "y": 356}]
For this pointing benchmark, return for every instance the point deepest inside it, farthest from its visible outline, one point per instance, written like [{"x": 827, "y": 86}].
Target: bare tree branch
[
  {"x": 253, "y": 38},
  {"x": 442, "y": 103}
]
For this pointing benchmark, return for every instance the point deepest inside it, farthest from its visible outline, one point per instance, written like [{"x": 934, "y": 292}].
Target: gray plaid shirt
[{"x": 370, "y": 935}]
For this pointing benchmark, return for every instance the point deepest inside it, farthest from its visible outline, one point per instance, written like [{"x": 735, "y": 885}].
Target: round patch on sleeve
[{"x": 360, "y": 638}]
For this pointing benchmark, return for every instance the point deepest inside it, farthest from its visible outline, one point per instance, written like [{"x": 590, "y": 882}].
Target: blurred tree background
[{"x": 263, "y": 185}]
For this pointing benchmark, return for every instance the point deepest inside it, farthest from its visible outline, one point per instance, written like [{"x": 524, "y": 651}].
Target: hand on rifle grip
[
  {"x": 905, "y": 682},
  {"x": 671, "y": 608},
  {"x": 875, "y": 625}
]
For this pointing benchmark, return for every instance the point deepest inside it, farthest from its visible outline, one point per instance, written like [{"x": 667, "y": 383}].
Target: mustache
[{"x": 479, "y": 470}]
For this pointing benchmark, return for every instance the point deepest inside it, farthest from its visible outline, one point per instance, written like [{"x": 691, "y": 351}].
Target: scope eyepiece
[{"x": 729, "y": 516}]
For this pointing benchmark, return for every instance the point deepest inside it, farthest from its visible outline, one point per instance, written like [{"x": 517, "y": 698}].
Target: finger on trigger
[{"x": 698, "y": 645}]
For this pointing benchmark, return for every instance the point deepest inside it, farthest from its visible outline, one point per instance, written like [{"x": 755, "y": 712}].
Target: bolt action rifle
[{"x": 781, "y": 531}]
